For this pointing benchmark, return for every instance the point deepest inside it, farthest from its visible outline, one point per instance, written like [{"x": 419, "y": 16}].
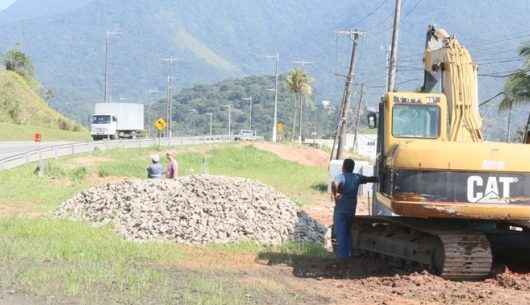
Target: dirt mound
[{"x": 195, "y": 210}]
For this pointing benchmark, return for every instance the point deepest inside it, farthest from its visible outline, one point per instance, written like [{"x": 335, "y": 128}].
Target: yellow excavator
[{"x": 447, "y": 199}]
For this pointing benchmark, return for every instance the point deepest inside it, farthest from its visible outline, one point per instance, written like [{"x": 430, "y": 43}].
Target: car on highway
[{"x": 246, "y": 135}]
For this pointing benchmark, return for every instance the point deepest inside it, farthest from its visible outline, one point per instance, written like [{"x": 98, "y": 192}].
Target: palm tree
[
  {"x": 299, "y": 83},
  {"x": 517, "y": 87}
]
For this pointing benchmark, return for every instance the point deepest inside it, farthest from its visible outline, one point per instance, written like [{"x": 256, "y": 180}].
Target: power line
[
  {"x": 398, "y": 84},
  {"x": 370, "y": 14},
  {"x": 514, "y": 36},
  {"x": 491, "y": 99},
  {"x": 413, "y": 8},
  {"x": 507, "y": 60},
  {"x": 504, "y": 74},
  {"x": 492, "y": 55}
]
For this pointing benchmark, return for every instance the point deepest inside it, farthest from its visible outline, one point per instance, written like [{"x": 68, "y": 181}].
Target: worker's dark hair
[{"x": 348, "y": 165}]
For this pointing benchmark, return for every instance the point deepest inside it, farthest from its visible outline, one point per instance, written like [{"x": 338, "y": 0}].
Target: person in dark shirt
[
  {"x": 344, "y": 190},
  {"x": 155, "y": 170}
]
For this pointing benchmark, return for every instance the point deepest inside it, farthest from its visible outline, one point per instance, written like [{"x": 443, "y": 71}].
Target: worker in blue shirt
[
  {"x": 344, "y": 190},
  {"x": 155, "y": 170}
]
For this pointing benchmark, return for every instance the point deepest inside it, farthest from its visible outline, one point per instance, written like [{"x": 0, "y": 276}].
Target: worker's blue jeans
[{"x": 343, "y": 224}]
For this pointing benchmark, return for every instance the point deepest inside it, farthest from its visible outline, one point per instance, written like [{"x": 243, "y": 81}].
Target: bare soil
[
  {"x": 302, "y": 155},
  {"x": 374, "y": 280},
  {"x": 16, "y": 209},
  {"x": 366, "y": 279}
]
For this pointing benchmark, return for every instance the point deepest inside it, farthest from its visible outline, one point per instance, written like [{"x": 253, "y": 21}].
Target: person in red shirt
[{"x": 172, "y": 166}]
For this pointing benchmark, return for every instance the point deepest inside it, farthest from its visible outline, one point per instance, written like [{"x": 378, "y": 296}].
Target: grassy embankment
[
  {"x": 23, "y": 112},
  {"x": 45, "y": 256},
  {"x": 14, "y": 132}
]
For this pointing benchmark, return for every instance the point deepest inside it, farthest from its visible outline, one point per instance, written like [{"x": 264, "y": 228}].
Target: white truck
[
  {"x": 117, "y": 120},
  {"x": 246, "y": 135}
]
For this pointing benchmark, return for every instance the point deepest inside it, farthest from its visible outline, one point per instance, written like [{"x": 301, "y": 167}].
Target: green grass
[
  {"x": 93, "y": 265},
  {"x": 69, "y": 259},
  {"x": 21, "y": 186},
  {"x": 79, "y": 261},
  {"x": 14, "y": 132},
  {"x": 65, "y": 177},
  {"x": 22, "y": 105},
  {"x": 290, "y": 178}
]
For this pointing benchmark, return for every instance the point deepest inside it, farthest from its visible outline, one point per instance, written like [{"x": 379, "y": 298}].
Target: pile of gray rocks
[{"x": 195, "y": 210}]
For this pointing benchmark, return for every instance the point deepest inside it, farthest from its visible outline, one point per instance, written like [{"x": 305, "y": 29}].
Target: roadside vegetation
[
  {"x": 24, "y": 103},
  {"x": 67, "y": 176},
  {"x": 44, "y": 256},
  {"x": 15, "y": 132}
]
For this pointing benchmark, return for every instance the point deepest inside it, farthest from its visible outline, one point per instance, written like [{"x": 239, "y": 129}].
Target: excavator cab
[{"x": 405, "y": 117}]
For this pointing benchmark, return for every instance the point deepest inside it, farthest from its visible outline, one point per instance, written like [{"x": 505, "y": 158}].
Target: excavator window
[{"x": 416, "y": 121}]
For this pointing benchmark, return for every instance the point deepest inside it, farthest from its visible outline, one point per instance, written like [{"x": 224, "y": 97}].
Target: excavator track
[
  {"x": 466, "y": 256},
  {"x": 447, "y": 250}
]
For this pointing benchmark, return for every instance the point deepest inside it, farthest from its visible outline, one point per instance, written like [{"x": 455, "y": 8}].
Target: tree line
[{"x": 299, "y": 113}]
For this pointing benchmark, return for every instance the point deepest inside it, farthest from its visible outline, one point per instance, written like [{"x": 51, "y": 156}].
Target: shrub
[
  {"x": 78, "y": 174},
  {"x": 102, "y": 172},
  {"x": 64, "y": 125},
  {"x": 55, "y": 171}
]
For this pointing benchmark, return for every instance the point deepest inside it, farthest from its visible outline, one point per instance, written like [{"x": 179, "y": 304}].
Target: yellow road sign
[{"x": 160, "y": 124}]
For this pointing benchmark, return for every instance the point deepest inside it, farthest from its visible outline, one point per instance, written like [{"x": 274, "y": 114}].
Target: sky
[{"x": 5, "y": 3}]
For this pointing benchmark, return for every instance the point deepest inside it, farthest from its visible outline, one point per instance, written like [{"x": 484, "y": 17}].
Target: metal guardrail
[{"x": 54, "y": 152}]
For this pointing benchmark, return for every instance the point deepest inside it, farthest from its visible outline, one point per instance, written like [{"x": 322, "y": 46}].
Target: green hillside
[
  {"x": 23, "y": 112},
  {"x": 192, "y": 105}
]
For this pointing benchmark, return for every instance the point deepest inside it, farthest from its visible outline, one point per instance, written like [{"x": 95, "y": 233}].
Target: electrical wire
[
  {"x": 502, "y": 61},
  {"x": 413, "y": 8},
  {"x": 491, "y": 99},
  {"x": 371, "y": 13},
  {"x": 504, "y": 74}
]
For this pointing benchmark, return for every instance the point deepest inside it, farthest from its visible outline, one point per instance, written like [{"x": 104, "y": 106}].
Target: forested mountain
[
  {"x": 30, "y": 9},
  {"x": 215, "y": 40},
  {"x": 192, "y": 106}
]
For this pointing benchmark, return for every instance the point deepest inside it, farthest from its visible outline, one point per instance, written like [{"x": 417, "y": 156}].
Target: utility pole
[
  {"x": 249, "y": 99},
  {"x": 387, "y": 66},
  {"x": 337, "y": 153},
  {"x": 108, "y": 80},
  {"x": 229, "y": 120},
  {"x": 358, "y": 118},
  {"x": 211, "y": 123},
  {"x": 169, "y": 107},
  {"x": 392, "y": 69},
  {"x": 276, "y": 76}
]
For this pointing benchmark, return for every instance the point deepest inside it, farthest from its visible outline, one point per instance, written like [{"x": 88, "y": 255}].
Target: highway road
[
  {"x": 12, "y": 148},
  {"x": 13, "y": 154}
]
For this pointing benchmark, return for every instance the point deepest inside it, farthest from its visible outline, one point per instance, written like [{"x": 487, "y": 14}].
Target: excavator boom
[{"x": 447, "y": 59}]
